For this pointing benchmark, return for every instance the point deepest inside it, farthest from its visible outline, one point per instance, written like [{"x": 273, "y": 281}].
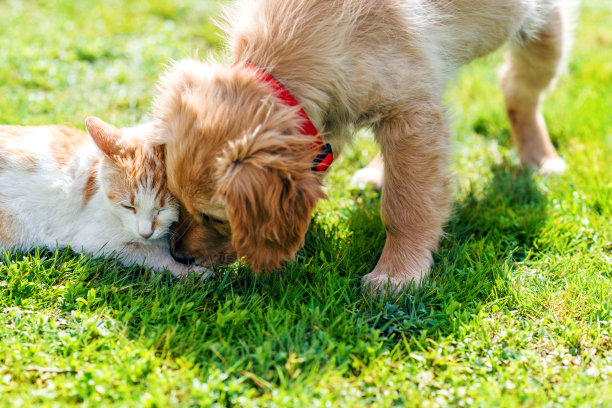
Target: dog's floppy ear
[{"x": 270, "y": 190}]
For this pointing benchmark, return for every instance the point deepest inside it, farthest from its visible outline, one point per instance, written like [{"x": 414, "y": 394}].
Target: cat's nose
[
  {"x": 145, "y": 228},
  {"x": 146, "y": 235}
]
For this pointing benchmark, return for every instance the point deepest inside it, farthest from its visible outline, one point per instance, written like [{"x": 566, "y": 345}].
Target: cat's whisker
[{"x": 184, "y": 230}]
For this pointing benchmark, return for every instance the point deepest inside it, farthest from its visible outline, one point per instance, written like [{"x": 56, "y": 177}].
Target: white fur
[{"x": 43, "y": 207}]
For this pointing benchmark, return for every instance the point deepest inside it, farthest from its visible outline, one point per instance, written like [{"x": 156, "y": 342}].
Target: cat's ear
[{"x": 104, "y": 135}]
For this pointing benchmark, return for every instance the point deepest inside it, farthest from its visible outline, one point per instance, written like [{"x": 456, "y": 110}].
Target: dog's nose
[{"x": 182, "y": 259}]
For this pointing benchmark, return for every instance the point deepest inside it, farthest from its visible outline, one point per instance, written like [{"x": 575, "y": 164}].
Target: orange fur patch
[
  {"x": 133, "y": 166},
  {"x": 13, "y": 130},
  {"x": 142, "y": 165},
  {"x": 91, "y": 185},
  {"x": 68, "y": 141}
]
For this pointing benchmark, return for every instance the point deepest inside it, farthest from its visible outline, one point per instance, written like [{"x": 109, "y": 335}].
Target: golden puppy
[{"x": 240, "y": 161}]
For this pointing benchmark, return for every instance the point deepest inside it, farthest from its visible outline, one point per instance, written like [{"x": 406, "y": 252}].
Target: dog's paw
[
  {"x": 382, "y": 285},
  {"x": 555, "y": 165},
  {"x": 368, "y": 177}
]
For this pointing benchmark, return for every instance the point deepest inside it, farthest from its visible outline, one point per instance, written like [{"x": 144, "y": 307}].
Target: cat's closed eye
[
  {"x": 208, "y": 218},
  {"x": 129, "y": 207}
]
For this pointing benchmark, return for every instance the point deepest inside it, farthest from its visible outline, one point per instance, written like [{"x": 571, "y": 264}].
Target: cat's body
[{"x": 59, "y": 188}]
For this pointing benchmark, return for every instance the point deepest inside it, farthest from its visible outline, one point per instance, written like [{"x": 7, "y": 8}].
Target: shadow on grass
[
  {"x": 491, "y": 230},
  {"x": 510, "y": 210},
  {"x": 314, "y": 308}
]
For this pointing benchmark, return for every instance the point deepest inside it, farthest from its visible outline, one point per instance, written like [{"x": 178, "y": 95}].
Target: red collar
[{"x": 326, "y": 157}]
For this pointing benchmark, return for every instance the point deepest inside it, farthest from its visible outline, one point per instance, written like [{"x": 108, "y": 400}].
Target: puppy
[{"x": 239, "y": 158}]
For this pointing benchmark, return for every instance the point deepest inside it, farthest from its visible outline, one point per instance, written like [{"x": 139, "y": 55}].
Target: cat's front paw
[
  {"x": 203, "y": 272},
  {"x": 181, "y": 271}
]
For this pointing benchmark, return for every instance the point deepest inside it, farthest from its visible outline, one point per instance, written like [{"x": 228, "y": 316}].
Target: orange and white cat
[{"x": 102, "y": 195}]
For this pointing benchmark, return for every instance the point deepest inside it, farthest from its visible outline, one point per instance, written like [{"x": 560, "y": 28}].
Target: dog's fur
[{"x": 237, "y": 163}]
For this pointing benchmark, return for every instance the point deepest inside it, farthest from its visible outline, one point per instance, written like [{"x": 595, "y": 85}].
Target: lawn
[{"x": 518, "y": 309}]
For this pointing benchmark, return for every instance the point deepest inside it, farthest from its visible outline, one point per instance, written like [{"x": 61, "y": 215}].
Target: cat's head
[{"x": 133, "y": 179}]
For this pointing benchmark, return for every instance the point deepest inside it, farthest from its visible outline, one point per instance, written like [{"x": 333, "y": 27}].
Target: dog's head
[{"x": 238, "y": 165}]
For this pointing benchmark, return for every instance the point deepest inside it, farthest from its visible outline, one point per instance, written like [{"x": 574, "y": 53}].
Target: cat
[{"x": 103, "y": 194}]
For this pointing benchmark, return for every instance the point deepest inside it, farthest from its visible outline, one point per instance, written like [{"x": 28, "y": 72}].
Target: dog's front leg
[{"x": 415, "y": 198}]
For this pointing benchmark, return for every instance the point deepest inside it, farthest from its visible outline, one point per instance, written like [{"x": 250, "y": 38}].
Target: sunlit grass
[{"x": 517, "y": 311}]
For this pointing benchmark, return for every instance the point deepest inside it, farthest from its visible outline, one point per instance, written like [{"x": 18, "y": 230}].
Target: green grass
[{"x": 518, "y": 310}]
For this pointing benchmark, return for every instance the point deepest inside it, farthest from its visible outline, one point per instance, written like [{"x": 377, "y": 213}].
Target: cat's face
[{"x": 133, "y": 179}]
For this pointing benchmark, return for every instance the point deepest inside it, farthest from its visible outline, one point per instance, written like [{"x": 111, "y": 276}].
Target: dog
[{"x": 241, "y": 163}]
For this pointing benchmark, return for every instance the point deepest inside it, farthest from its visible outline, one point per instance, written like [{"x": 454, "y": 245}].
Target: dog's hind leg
[
  {"x": 371, "y": 175},
  {"x": 415, "y": 196},
  {"x": 534, "y": 60}
]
